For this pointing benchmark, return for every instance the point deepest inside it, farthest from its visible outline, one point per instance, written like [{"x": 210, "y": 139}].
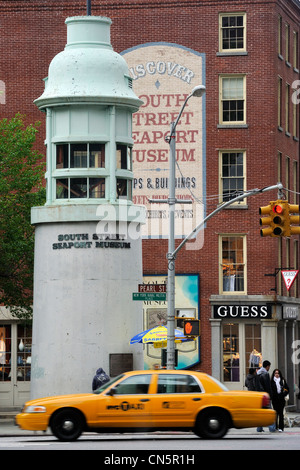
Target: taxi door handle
[
  {"x": 197, "y": 399},
  {"x": 144, "y": 399}
]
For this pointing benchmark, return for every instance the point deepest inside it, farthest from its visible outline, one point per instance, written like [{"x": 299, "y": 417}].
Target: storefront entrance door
[
  {"x": 241, "y": 351},
  {"x": 15, "y": 364}
]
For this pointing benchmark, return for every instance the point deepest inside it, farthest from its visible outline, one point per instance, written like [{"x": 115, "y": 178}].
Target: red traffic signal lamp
[
  {"x": 191, "y": 327},
  {"x": 278, "y": 219}
]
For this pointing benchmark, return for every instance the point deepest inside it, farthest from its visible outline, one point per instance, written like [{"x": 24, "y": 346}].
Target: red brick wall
[{"x": 33, "y": 32}]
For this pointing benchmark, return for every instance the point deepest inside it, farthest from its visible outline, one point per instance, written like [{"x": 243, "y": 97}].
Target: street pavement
[{"x": 9, "y": 429}]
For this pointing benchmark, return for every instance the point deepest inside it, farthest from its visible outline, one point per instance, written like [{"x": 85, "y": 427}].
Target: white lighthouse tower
[{"x": 88, "y": 255}]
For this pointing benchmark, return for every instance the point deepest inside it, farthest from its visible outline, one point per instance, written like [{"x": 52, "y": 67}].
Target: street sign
[
  {"x": 150, "y": 296},
  {"x": 289, "y": 277},
  {"x": 152, "y": 287}
]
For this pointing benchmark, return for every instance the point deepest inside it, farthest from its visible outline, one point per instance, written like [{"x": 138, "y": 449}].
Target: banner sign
[
  {"x": 243, "y": 311},
  {"x": 163, "y": 76}
]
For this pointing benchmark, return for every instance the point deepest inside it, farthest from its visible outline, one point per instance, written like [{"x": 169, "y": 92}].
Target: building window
[
  {"x": 279, "y": 105},
  {"x": 295, "y": 51},
  {"x": 5, "y": 353},
  {"x": 80, "y": 156},
  {"x": 280, "y": 36},
  {"x": 232, "y": 264},
  {"x": 287, "y": 109},
  {"x": 15, "y": 354},
  {"x": 233, "y": 99},
  {"x": 232, "y": 32},
  {"x": 241, "y": 350},
  {"x": 89, "y": 157},
  {"x": 287, "y": 43},
  {"x": 124, "y": 189},
  {"x": 24, "y": 340},
  {"x": 231, "y": 353},
  {"x": 232, "y": 165},
  {"x": 124, "y": 157},
  {"x": 82, "y": 188},
  {"x": 295, "y": 121},
  {"x": 295, "y": 117}
]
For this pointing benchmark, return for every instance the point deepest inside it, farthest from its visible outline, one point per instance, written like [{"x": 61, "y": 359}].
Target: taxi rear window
[{"x": 177, "y": 384}]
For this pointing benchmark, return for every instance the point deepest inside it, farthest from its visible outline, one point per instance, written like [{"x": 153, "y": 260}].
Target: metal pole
[
  {"x": 197, "y": 91},
  {"x": 170, "y": 257},
  {"x": 249, "y": 193},
  {"x": 88, "y": 7}
]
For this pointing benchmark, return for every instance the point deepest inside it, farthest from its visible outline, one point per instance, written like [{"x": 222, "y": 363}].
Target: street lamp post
[{"x": 198, "y": 91}]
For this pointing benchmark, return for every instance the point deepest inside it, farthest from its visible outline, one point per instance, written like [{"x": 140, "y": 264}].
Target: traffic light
[
  {"x": 278, "y": 219},
  {"x": 294, "y": 219},
  {"x": 266, "y": 210},
  {"x": 191, "y": 327}
]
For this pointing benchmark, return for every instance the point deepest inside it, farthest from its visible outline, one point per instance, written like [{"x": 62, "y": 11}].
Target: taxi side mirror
[{"x": 112, "y": 391}]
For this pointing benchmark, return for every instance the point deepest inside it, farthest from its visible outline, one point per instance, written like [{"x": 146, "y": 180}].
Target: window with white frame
[
  {"x": 232, "y": 32},
  {"x": 232, "y": 99},
  {"x": 232, "y": 255},
  {"x": 232, "y": 171},
  {"x": 74, "y": 159}
]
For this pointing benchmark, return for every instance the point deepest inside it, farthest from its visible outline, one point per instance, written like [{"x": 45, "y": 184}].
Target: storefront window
[
  {"x": 231, "y": 352},
  {"x": 24, "y": 340},
  {"x": 241, "y": 350},
  {"x": 253, "y": 346},
  {"x": 5, "y": 353}
]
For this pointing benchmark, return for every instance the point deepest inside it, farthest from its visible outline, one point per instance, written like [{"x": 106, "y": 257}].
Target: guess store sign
[{"x": 243, "y": 311}]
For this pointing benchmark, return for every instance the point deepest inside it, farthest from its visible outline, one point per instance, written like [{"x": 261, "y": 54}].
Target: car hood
[{"x": 61, "y": 398}]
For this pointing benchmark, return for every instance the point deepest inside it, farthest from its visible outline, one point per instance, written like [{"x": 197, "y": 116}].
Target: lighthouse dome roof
[{"x": 88, "y": 70}]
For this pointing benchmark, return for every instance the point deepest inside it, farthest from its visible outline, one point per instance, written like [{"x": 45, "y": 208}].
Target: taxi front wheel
[
  {"x": 212, "y": 423},
  {"x": 67, "y": 424}
]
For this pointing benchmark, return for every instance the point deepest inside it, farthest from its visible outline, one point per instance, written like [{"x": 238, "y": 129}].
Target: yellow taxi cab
[{"x": 150, "y": 401}]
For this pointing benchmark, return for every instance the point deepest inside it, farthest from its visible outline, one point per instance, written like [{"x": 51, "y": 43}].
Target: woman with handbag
[{"x": 280, "y": 390}]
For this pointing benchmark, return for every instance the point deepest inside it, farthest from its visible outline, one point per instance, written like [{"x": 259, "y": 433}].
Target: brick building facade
[{"x": 251, "y": 51}]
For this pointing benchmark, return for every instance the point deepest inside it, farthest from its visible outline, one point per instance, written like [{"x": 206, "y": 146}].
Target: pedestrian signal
[{"x": 191, "y": 327}]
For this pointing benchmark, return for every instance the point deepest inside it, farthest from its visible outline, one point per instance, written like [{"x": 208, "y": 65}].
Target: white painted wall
[{"x": 83, "y": 309}]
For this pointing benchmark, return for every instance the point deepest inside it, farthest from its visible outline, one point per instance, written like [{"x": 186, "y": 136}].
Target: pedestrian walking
[
  {"x": 251, "y": 380},
  {"x": 280, "y": 390},
  {"x": 264, "y": 385},
  {"x": 99, "y": 379}
]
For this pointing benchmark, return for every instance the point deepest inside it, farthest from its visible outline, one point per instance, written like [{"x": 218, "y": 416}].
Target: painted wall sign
[
  {"x": 163, "y": 76},
  {"x": 242, "y": 311}
]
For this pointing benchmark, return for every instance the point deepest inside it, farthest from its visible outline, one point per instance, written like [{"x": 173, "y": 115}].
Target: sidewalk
[{"x": 9, "y": 429}]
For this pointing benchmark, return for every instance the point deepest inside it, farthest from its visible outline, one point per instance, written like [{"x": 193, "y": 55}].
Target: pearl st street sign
[{"x": 150, "y": 292}]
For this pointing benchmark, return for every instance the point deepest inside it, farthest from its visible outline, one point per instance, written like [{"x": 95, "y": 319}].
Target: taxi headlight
[{"x": 34, "y": 409}]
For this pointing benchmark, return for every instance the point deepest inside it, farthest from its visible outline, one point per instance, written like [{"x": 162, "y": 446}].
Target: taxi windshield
[{"x": 107, "y": 384}]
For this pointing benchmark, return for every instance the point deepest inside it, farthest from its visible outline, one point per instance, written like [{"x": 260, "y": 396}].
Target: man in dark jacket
[
  {"x": 264, "y": 378},
  {"x": 251, "y": 380},
  {"x": 264, "y": 385},
  {"x": 99, "y": 379}
]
